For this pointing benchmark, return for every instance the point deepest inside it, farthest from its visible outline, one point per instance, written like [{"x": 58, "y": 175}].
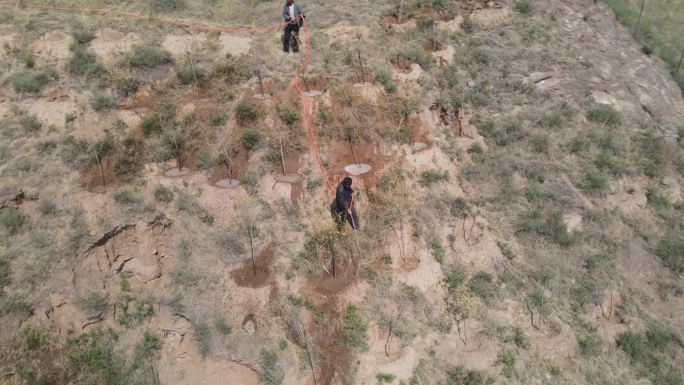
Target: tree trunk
[
  {"x": 282, "y": 154},
  {"x": 332, "y": 256},
  {"x": 637, "y": 28},
  {"x": 363, "y": 73},
  {"x": 99, "y": 165},
  {"x": 310, "y": 356},
  {"x": 261, "y": 84},
  {"x": 251, "y": 247},
  {"x": 194, "y": 75},
  {"x": 401, "y": 241},
  {"x": 679, "y": 64}
]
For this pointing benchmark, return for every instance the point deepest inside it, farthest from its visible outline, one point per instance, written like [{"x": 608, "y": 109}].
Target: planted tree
[
  {"x": 227, "y": 154},
  {"x": 290, "y": 117},
  {"x": 249, "y": 215}
]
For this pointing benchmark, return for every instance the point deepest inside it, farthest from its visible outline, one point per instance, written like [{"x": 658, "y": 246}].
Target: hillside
[{"x": 167, "y": 173}]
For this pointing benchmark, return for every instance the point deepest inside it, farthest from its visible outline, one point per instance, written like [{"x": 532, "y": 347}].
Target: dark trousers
[
  {"x": 290, "y": 30},
  {"x": 340, "y": 216}
]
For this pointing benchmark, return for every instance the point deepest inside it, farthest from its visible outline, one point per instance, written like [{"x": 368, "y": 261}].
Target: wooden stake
[
  {"x": 99, "y": 165},
  {"x": 638, "y": 24},
  {"x": 251, "y": 246}
]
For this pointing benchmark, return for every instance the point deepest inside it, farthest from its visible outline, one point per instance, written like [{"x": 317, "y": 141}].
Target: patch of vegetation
[
  {"x": 190, "y": 74},
  {"x": 604, "y": 114},
  {"x": 246, "y": 113},
  {"x": 102, "y": 101},
  {"x": 430, "y": 177},
  {"x": 385, "y": 378},
  {"x": 12, "y": 220},
  {"x": 127, "y": 197},
  {"x": 438, "y": 251},
  {"x": 151, "y": 125},
  {"x": 30, "y": 123},
  {"x": 84, "y": 63},
  {"x": 93, "y": 303},
  {"x": 385, "y": 79},
  {"x": 251, "y": 139},
  {"x": 559, "y": 116},
  {"x": 163, "y": 194},
  {"x": 32, "y": 81},
  {"x": 460, "y": 376},
  {"x": 526, "y": 7},
  {"x": 148, "y": 56},
  {"x": 82, "y": 36},
  {"x": 271, "y": 371},
  {"x": 553, "y": 228},
  {"x": 510, "y": 132},
  {"x": 593, "y": 180},
  {"x": 288, "y": 115},
  {"x": 655, "y": 353},
  {"x": 355, "y": 329},
  {"x": 482, "y": 285},
  {"x": 203, "y": 337},
  {"x": 590, "y": 344},
  {"x": 671, "y": 250},
  {"x": 223, "y": 327},
  {"x": 166, "y": 5},
  {"x": 506, "y": 250},
  {"x": 126, "y": 85},
  {"x": 508, "y": 359},
  {"x": 5, "y": 273}
]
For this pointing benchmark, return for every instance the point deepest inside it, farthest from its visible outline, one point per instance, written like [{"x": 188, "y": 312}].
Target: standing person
[
  {"x": 293, "y": 14},
  {"x": 343, "y": 208}
]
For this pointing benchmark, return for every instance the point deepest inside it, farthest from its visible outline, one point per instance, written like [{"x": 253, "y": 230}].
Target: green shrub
[
  {"x": 84, "y": 63},
  {"x": 557, "y": 117},
  {"x": 355, "y": 329},
  {"x": 288, "y": 115},
  {"x": 127, "y": 85},
  {"x": 385, "y": 378},
  {"x": 508, "y": 358},
  {"x": 459, "y": 376},
  {"x": 93, "y": 353},
  {"x": 467, "y": 25},
  {"x": 151, "y": 125},
  {"x": 32, "y": 81},
  {"x": 187, "y": 75},
  {"x": 552, "y": 228},
  {"x": 246, "y": 113},
  {"x": 11, "y": 219},
  {"x": 102, "y": 101},
  {"x": 525, "y": 7},
  {"x": 593, "y": 180},
  {"x": 671, "y": 250},
  {"x": 5, "y": 273},
  {"x": 482, "y": 285},
  {"x": 203, "y": 337},
  {"x": 604, "y": 114},
  {"x": 148, "y": 56},
  {"x": 166, "y": 5},
  {"x": 93, "y": 303},
  {"x": 652, "y": 149},
  {"x": 590, "y": 344},
  {"x": 163, "y": 194},
  {"x": 34, "y": 338},
  {"x": 130, "y": 157},
  {"x": 28, "y": 58},
  {"x": 30, "y": 123},
  {"x": 540, "y": 143},
  {"x": 438, "y": 251},
  {"x": 385, "y": 78},
  {"x": 223, "y": 327},
  {"x": 217, "y": 118},
  {"x": 458, "y": 207},
  {"x": 127, "y": 197},
  {"x": 475, "y": 148},
  {"x": 429, "y": 177},
  {"x": 272, "y": 372},
  {"x": 481, "y": 56},
  {"x": 82, "y": 36},
  {"x": 251, "y": 139},
  {"x": 509, "y": 133},
  {"x": 506, "y": 250}
]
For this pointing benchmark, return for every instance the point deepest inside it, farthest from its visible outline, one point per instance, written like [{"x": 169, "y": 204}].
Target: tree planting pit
[
  {"x": 227, "y": 183},
  {"x": 358, "y": 169},
  {"x": 262, "y": 96},
  {"x": 175, "y": 172},
  {"x": 419, "y": 146},
  {"x": 363, "y": 85},
  {"x": 313, "y": 94}
]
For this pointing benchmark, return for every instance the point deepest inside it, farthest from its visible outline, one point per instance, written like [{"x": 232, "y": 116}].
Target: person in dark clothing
[
  {"x": 293, "y": 15},
  {"x": 343, "y": 208}
]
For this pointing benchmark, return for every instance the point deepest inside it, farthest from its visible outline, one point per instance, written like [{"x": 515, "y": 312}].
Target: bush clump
[
  {"x": 163, "y": 194},
  {"x": 102, "y": 101},
  {"x": 166, "y": 5},
  {"x": 32, "y": 82},
  {"x": 148, "y": 56},
  {"x": 671, "y": 250},
  {"x": 604, "y": 114},
  {"x": 246, "y": 113},
  {"x": 355, "y": 329},
  {"x": 251, "y": 139},
  {"x": 84, "y": 63},
  {"x": 12, "y": 220}
]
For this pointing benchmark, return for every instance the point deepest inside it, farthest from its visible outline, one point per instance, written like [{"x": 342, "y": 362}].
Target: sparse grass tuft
[
  {"x": 246, "y": 113},
  {"x": 508, "y": 359},
  {"x": 552, "y": 228},
  {"x": 385, "y": 378},
  {"x": 526, "y": 7},
  {"x": 151, "y": 125},
  {"x": 272, "y": 372},
  {"x": 430, "y": 177},
  {"x": 590, "y": 344},
  {"x": 84, "y": 63},
  {"x": 482, "y": 285}
]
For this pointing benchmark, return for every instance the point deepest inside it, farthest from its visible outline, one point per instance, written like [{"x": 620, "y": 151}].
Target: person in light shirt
[{"x": 293, "y": 15}]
